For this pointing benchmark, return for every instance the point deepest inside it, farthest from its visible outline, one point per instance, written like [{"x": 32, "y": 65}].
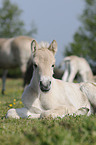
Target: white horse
[
  {"x": 74, "y": 65},
  {"x": 14, "y": 52},
  {"x": 46, "y": 96}
]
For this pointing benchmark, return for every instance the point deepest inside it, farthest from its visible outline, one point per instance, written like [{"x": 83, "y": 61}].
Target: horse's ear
[
  {"x": 53, "y": 46},
  {"x": 34, "y": 46}
]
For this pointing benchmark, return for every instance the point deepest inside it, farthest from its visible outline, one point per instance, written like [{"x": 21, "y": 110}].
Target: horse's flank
[{"x": 14, "y": 52}]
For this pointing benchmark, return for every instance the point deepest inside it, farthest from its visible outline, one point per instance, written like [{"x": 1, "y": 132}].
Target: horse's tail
[
  {"x": 89, "y": 89},
  {"x": 67, "y": 64},
  {"x": 68, "y": 58}
]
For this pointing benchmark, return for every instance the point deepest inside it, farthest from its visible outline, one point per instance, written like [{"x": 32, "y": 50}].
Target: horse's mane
[{"x": 43, "y": 44}]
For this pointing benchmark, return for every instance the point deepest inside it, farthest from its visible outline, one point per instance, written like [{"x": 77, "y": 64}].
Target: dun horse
[
  {"x": 46, "y": 96},
  {"x": 74, "y": 65},
  {"x": 14, "y": 52}
]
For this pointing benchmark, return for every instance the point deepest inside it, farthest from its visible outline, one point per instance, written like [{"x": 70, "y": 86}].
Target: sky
[{"x": 54, "y": 19}]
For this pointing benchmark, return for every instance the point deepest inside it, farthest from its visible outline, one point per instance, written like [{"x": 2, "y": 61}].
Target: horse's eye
[
  {"x": 35, "y": 65},
  {"x": 53, "y": 65}
]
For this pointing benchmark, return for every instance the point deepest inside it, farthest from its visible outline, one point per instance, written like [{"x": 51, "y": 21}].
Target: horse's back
[
  {"x": 69, "y": 93},
  {"x": 22, "y": 42}
]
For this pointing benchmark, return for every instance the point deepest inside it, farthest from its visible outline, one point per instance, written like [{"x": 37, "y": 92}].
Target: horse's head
[{"x": 44, "y": 61}]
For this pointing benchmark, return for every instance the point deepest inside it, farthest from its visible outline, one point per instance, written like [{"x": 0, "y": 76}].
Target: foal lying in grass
[{"x": 46, "y": 96}]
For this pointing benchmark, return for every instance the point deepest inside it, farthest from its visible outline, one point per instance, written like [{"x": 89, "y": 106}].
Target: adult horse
[
  {"x": 14, "y": 52},
  {"x": 74, "y": 65},
  {"x": 46, "y": 96}
]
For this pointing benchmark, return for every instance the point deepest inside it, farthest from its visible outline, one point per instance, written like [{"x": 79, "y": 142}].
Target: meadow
[{"x": 70, "y": 130}]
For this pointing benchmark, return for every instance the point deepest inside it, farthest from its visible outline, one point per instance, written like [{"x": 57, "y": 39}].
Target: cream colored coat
[
  {"x": 14, "y": 52},
  {"x": 74, "y": 65},
  {"x": 46, "y": 96}
]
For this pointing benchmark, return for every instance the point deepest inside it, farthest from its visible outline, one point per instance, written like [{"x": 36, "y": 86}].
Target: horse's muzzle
[{"x": 45, "y": 88}]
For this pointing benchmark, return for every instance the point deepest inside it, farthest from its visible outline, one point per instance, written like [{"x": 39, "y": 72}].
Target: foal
[
  {"x": 46, "y": 96},
  {"x": 74, "y": 65}
]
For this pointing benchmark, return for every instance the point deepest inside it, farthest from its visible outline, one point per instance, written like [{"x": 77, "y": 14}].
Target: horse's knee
[{"x": 12, "y": 114}]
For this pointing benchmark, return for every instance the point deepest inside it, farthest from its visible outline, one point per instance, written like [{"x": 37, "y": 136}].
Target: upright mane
[{"x": 43, "y": 44}]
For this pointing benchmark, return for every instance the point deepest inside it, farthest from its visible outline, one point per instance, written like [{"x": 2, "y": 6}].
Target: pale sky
[{"x": 54, "y": 19}]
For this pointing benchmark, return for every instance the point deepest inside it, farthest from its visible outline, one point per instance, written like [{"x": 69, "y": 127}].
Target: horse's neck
[{"x": 34, "y": 83}]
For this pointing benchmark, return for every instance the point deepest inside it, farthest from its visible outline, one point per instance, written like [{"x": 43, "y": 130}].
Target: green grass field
[{"x": 79, "y": 130}]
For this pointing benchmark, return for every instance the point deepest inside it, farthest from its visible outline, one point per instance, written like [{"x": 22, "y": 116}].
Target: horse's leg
[
  {"x": 23, "y": 69},
  {"x": 67, "y": 71},
  {"x": 4, "y": 80},
  {"x": 84, "y": 77},
  {"x": 21, "y": 113},
  {"x": 65, "y": 76},
  {"x": 61, "y": 111},
  {"x": 71, "y": 76}
]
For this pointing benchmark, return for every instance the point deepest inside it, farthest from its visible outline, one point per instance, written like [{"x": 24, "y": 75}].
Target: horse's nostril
[{"x": 45, "y": 86}]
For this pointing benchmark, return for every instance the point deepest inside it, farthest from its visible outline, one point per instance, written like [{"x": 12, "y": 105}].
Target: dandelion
[
  {"x": 10, "y": 105},
  {"x": 14, "y": 103},
  {"x": 14, "y": 100}
]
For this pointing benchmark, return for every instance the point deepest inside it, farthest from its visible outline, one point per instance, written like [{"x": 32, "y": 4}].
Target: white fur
[
  {"x": 43, "y": 44},
  {"x": 63, "y": 98},
  {"x": 74, "y": 65}
]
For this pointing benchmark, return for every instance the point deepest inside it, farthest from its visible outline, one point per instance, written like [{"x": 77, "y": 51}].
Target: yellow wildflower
[
  {"x": 10, "y": 105},
  {"x": 14, "y": 100},
  {"x": 14, "y": 103}
]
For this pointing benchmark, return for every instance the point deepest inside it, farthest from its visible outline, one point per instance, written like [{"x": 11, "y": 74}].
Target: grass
[{"x": 71, "y": 130}]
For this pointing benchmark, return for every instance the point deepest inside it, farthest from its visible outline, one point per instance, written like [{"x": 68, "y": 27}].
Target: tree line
[
  {"x": 84, "y": 39},
  {"x": 10, "y": 21}
]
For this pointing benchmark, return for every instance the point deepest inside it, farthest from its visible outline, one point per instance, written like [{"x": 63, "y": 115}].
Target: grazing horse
[
  {"x": 74, "y": 65},
  {"x": 14, "y": 52},
  {"x": 46, "y": 96}
]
